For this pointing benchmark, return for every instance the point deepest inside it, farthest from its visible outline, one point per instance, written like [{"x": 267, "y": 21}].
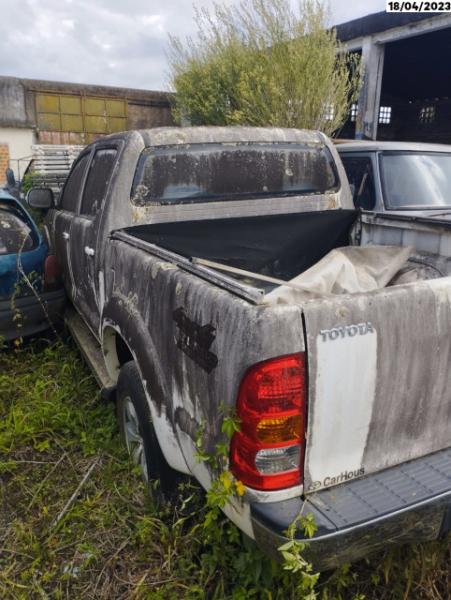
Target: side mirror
[
  {"x": 40, "y": 198},
  {"x": 10, "y": 179}
]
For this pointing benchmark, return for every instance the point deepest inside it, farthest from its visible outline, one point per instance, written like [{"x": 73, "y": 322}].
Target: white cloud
[
  {"x": 345, "y": 10},
  {"x": 152, "y": 19},
  {"x": 68, "y": 23}
]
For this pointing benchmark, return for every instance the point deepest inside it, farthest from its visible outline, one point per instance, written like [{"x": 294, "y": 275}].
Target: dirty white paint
[
  {"x": 166, "y": 439},
  {"x": 236, "y": 508},
  {"x": 345, "y": 390},
  {"x": 423, "y": 234},
  {"x": 441, "y": 288},
  {"x": 154, "y": 213},
  {"x": 101, "y": 300},
  {"x": 165, "y": 434},
  {"x": 19, "y": 143},
  {"x": 163, "y": 428},
  {"x": 239, "y": 513}
]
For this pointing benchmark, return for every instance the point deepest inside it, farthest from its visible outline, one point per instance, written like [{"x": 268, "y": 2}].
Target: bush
[{"x": 263, "y": 64}]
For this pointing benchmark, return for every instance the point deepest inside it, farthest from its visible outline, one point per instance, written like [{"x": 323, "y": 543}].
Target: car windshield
[
  {"x": 202, "y": 173},
  {"x": 416, "y": 180},
  {"x": 15, "y": 234}
]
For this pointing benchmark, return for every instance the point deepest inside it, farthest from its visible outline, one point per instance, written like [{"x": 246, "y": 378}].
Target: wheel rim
[{"x": 133, "y": 438}]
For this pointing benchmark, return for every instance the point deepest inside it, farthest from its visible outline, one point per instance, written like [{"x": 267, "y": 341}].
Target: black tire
[{"x": 161, "y": 478}]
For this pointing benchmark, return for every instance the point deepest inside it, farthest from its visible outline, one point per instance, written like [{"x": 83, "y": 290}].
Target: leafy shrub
[{"x": 262, "y": 63}]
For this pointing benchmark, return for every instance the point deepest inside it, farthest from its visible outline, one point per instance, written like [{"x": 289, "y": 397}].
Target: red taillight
[
  {"x": 267, "y": 453},
  {"x": 52, "y": 272}
]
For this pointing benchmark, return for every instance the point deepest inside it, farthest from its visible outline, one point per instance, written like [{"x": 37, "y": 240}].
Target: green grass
[{"x": 110, "y": 542}]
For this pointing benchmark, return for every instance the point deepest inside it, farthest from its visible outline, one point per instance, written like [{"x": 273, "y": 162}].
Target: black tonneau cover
[{"x": 279, "y": 245}]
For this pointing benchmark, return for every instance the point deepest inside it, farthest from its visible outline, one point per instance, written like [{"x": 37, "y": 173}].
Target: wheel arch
[
  {"x": 116, "y": 350},
  {"x": 125, "y": 337}
]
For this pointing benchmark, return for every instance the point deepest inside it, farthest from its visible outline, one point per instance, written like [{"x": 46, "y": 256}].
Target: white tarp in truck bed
[{"x": 345, "y": 271}]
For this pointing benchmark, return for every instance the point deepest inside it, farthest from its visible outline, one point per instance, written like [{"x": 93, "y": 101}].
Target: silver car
[{"x": 399, "y": 177}]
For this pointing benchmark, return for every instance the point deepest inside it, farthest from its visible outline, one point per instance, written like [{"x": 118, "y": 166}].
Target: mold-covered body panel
[
  {"x": 193, "y": 345},
  {"x": 376, "y": 362}
]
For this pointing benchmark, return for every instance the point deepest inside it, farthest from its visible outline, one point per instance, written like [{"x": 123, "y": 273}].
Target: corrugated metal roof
[{"x": 377, "y": 22}]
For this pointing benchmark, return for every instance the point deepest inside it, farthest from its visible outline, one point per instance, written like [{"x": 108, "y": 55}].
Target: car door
[
  {"x": 64, "y": 217},
  {"x": 85, "y": 244}
]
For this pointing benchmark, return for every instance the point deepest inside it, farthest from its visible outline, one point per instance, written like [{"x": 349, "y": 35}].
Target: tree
[{"x": 262, "y": 63}]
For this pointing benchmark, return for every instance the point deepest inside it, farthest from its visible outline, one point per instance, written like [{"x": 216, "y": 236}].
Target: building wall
[
  {"x": 4, "y": 162},
  {"x": 13, "y": 111},
  {"x": 142, "y": 116},
  {"x": 52, "y": 112},
  {"x": 19, "y": 142}
]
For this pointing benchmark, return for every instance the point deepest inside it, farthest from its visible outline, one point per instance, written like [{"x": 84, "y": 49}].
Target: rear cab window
[
  {"x": 214, "y": 172},
  {"x": 16, "y": 234}
]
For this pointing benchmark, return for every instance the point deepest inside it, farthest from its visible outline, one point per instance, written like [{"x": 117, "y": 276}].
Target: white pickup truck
[{"x": 204, "y": 263}]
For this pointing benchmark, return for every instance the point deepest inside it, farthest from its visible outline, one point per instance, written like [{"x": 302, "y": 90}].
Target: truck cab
[{"x": 402, "y": 178}]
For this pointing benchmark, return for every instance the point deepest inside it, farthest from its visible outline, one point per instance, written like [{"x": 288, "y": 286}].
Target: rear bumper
[
  {"x": 408, "y": 503},
  {"x": 27, "y": 315}
]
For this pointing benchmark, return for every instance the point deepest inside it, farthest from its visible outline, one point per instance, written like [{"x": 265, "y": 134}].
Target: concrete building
[
  {"x": 406, "y": 93},
  {"x": 50, "y": 112}
]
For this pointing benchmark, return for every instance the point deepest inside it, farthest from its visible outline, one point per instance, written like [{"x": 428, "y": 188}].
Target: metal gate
[{"x": 85, "y": 117}]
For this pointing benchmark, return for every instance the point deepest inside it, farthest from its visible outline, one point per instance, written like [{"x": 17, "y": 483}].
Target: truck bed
[{"x": 281, "y": 246}]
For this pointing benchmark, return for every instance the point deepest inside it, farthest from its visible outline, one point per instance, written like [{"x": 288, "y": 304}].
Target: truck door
[
  {"x": 86, "y": 247},
  {"x": 64, "y": 217}
]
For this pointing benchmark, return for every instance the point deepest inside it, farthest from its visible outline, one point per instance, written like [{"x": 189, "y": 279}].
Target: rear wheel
[{"x": 135, "y": 424}]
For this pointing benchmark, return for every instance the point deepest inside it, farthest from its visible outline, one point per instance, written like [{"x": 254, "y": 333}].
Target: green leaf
[
  {"x": 308, "y": 525},
  {"x": 43, "y": 446},
  {"x": 229, "y": 426}
]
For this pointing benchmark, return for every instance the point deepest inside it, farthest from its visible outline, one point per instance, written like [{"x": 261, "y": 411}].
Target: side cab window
[
  {"x": 72, "y": 188},
  {"x": 359, "y": 170},
  {"x": 99, "y": 176}
]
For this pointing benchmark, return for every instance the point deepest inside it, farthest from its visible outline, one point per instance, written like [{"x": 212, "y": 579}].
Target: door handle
[
  {"x": 66, "y": 236},
  {"x": 89, "y": 251}
]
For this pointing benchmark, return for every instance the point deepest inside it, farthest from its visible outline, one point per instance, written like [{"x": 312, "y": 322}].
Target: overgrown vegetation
[
  {"x": 27, "y": 182},
  {"x": 262, "y": 63},
  {"x": 75, "y": 522}
]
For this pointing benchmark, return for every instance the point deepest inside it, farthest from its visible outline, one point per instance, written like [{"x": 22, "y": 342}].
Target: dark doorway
[{"x": 416, "y": 89}]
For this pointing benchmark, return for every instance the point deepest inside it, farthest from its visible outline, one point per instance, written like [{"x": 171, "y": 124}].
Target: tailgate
[{"x": 379, "y": 368}]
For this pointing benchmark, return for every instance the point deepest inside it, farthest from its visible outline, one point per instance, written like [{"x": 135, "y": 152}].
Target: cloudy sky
[{"x": 109, "y": 42}]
